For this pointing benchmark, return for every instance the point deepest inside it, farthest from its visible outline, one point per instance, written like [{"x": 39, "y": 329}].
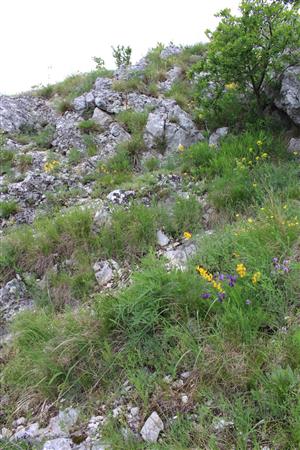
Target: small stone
[
  {"x": 184, "y": 399},
  {"x": 103, "y": 272},
  {"x": 168, "y": 379},
  {"x": 152, "y": 427},
  {"x": 6, "y": 433},
  {"x": 217, "y": 135},
  {"x": 135, "y": 411},
  {"x": 220, "y": 425},
  {"x": 18, "y": 422},
  {"x": 294, "y": 146},
  {"x": 117, "y": 411},
  {"x": 162, "y": 239},
  {"x": 185, "y": 375},
  {"x": 177, "y": 384}
]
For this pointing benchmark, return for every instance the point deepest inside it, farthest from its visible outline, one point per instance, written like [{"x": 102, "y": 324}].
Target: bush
[
  {"x": 89, "y": 126},
  {"x": 7, "y": 208},
  {"x": 74, "y": 156},
  {"x": 6, "y": 160},
  {"x": 131, "y": 233},
  {"x": 185, "y": 215}
]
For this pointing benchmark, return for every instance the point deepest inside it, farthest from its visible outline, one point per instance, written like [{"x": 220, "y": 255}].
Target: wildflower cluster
[
  {"x": 281, "y": 267},
  {"x": 187, "y": 235},
  {"x": 221, "y": 281},
  {"x": 50, "y": 166},
  {"x": 214, "y": 283},
  {"x": 256, "y": 277},
  {"x": 105, "y": 170},
  {"x": 255, "y": 156}
]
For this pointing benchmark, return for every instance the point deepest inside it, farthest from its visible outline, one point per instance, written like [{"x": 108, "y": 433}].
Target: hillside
[{"x": 150, "y": 262}]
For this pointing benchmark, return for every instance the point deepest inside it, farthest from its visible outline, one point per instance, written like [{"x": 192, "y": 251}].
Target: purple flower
[
  {"x": 206, "y": 295},
  {"x": 275, "y": 260},
  {"x": 285, "y": 269},
  {"x": 221, "y": 277},
  {"x": 277, "y": 266},
  {"x": 286, "y": 262},
  {"x": 231, "y": 280},
  {"x": 248, "y": 302},
  {"x": 221, "y": 296}
]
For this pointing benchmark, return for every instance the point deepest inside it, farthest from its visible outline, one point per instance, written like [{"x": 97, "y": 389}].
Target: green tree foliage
[
  {"x": 100, "y": 64},
  {"x": 122, "y": 55},
  {"x": 248, "y": 52}
]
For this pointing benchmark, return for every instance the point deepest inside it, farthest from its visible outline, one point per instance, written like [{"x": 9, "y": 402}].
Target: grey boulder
[
  {"x": 152, "y": 427},
  {"x": 289, "y": 96},
  {"x": 217, "y": 135}
]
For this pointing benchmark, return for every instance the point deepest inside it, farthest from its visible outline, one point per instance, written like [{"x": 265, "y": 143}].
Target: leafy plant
[{"x": 122, "y": 55}]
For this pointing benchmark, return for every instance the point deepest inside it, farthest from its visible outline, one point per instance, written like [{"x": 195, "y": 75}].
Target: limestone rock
[
  {"x": 217, "y": 135},
  {"x": 178, "y": 257},
  {"x": 104, "y": 271},
  {"x": 169, "y": 126},
  {"x": 171, "y": 50},
  {"x": 67, "y": 134},
  {"x": 101, "y": 118},
  {"x": 289, "y": 97},
  {"x": 294, "y": 145},
  {"x": 58, "y": 444},
  {"x": 162, "y": 239},
  {"x": 13, "y": 298},
  {"x": 152, "y": 427},
  {"x": 120, "y": 196},
  {"x": 24, "y": 111},
  {"x": 109, "y": 139}
]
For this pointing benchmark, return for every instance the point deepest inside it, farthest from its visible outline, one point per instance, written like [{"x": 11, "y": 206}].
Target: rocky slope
[{"x": 51, "y": 162}]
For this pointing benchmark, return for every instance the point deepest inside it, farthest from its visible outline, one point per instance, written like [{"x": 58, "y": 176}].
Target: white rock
[
  {"x": 162, "y": 239},
  {"x": 185, "y": 375},
  {"x": 103, "y": 272},
  {"x": 152, "y": 427},
  {"x": 101, "y": 118},
  {"x": 184, "y": 399},
  {"x": 58, "y": 444},
  {"x": 217, "y": 135},
  {"x": 220, "y": 424},
  {"x": 294, "y": 145}
]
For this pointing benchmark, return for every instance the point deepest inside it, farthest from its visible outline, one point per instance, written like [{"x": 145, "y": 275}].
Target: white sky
[{"x": 43, "y": 41}]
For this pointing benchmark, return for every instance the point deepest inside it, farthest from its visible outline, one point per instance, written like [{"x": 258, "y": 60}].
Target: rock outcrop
[{"x": 289, "y": 97}]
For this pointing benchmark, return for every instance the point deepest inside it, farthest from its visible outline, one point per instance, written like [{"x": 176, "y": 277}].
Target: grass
[
  {"x": 74, "y": 85},
  {"x": 7, "y": 208},
  {"x": 233, "y": 323},
  {"x": 89, "y": 126}
]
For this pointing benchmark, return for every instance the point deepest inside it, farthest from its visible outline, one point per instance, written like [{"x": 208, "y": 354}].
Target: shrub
[
  {"x": 131, "y": 233},
  {"x": 7, "y": 208},
  {"x": 152, "y": 164},
  {"x": 24, "y": 162},
  {"x": 6, "y": 160},
  {"x": 185, "y": 215},
  {"x": 74, "y": 156},
  {"x": 44, "y": 138},
  {"x": 89, "y": 126},
  {"x": 122, "y": 55}
]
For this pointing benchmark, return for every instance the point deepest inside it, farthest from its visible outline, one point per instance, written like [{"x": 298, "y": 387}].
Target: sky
[{"x": 43, "y": 41}]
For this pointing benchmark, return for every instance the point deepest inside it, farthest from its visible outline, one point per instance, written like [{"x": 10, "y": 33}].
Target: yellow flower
[
  {"x": 254, "y": 185},
  {"x": 187, "y": 235},
  {"x": 257, "y": 158},
  {"x": 256, "y": 277},
  {"x": 259, "y": 143},
  {"x": 180, "y": 148},
  {"x": 250, "y": 220},
  {"x": 285, "y": 207},
  {"x": 241, "y": 270},
  {"x": 231, "y": 86},
  {"x": 264, "y": 155}
]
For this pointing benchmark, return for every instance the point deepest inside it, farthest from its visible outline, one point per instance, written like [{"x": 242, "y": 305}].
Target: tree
[
  {"x": 122, "y": 55},
  {"x": 100, "y": 64},
  {"x": 251, "y": 51}
]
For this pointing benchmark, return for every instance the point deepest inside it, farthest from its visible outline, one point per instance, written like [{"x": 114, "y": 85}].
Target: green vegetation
[
  {"x": 74, "y": 85},
  {"x": 230, "y": 319},
  {"x": 122, "y": 55},
  {"x": 8, "y": 208},
  {"x": 246, "y": 53},
  {"x": 89, "y": 126}
]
